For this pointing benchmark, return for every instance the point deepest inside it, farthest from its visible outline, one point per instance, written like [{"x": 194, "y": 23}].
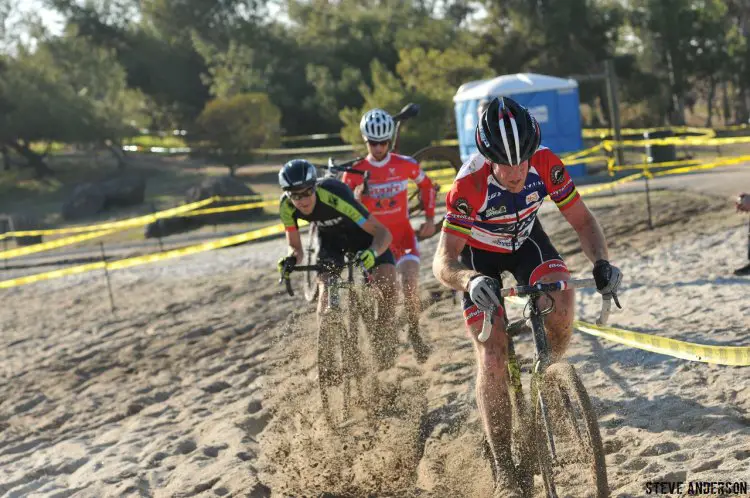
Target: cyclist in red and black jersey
[
  {"x": 387, "y": 199},
  {"x": 492, "y": 226}
]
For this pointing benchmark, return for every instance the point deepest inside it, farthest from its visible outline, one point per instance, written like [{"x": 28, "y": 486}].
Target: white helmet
[{"x": 377, "y": 125}]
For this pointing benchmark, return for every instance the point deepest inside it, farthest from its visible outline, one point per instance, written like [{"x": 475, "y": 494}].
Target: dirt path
[{"x": 204, "y": 382}]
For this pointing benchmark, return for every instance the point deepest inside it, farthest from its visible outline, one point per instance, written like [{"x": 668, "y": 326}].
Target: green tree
[
  {"x": 428, "y": 78},
  {"x": 39, "y": 106},
  {"x": 230, "y": 128}
]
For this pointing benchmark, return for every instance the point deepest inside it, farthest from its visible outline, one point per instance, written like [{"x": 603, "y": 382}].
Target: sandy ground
[{"x": 203, "y": 382}]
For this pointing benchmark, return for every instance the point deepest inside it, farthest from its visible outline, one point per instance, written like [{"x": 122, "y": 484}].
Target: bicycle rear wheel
[
  {"x": 570, "y": 454},
  {"x": 334, "y": 380}
]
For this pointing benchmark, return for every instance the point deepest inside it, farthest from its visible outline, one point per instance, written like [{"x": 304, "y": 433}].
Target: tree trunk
[
  {"x": 725, "y": 103},
  {"x": 33, "y": 159},
  {"x": 742, "y": 112},
  {"x": 6, "y": 157},
  {"x": 118, "y": 153},
  {"x": 710, "y": 103}
]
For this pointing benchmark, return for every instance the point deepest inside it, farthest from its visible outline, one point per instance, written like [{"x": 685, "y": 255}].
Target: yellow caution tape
[
  {"x": 54, "y": 244},
  {"x": 572, "y": 157},
  {"x": 103, "y": 230},
  {"x": 128, "y": 223},
  {"x": 602, "y": 132},
  {"x": 711, "y": 165},
  {"x": 304, "y": 150},
  {"x": 267, "y": 197},
  {"x": 733, "y": 127},
  {"x": 666, "y": 164},
  {"x": 227, "y": 209},
  {"x": 587, "y": 160},
  {"x": 719, "y": 355},
  {"x": 606, "y": 186},
  {"x": 150, "y": 258},
  {"x": 679, "y": 141}
]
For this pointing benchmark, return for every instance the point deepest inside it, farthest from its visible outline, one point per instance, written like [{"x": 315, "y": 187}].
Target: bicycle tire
[
  {"x": 310, "y": 282},
  {"x": 579, "y": 453},
  {"x": 333, "y": 378},
  {"x": 521, "y": 443}
]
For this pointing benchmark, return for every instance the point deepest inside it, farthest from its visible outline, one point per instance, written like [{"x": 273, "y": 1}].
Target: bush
[{"x": 229, "y": 129}]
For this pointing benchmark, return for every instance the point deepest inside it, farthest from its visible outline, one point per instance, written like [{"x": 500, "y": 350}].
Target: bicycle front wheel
[
  {"x": 333, "y": 377},
  {"x": 570, "y": 451},
  {"x": 310, "y": 283}
]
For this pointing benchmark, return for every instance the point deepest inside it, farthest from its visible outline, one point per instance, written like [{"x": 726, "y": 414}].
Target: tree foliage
[
  {"x": 321, "y": 63},
  {"x": 230, "y": 128}
]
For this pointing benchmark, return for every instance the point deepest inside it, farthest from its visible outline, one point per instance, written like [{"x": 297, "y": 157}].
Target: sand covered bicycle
[{"x": 557, "y": 433}]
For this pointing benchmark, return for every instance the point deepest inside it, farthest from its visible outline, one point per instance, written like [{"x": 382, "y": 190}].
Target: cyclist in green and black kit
[{"x": 344, "y": 226}]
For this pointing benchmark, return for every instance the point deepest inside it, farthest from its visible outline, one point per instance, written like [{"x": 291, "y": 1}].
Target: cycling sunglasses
[
  {"x": 378, "y": 142},
  {"x": 302, "y": 194}
]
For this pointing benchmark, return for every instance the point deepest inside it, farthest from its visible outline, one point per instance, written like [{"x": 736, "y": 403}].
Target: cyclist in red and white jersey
[
  {"x": 387, "y": 199},
  {"x": 492, "y": 226}
]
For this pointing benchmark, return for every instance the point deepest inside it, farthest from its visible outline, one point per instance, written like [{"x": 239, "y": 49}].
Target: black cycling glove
[
  {"x": 607, "y": 279},
  {"x": 286, "y": 265}
]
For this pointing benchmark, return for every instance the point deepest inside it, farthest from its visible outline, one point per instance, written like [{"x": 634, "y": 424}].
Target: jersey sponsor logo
[
  {"x": 557, "y": 174},
  {"x": 331, "y": 222},
  {"x": 385, "y": 203},
  {"x": 495, "y": 211},
  {"x": 532, "y": 197},
  {"x": 472, "y": 312},
  {"x": 494, "y": 194},
  {"x": 456, "y": 216},
  {"x": 390, "y": 189},
  {"x": 533, "y": 185},
  {"x": 462, "y": 206},
  {"x": 557, "y": 265}
]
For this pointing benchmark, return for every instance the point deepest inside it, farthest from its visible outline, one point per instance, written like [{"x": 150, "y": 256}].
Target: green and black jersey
[{"x": 337, "y": 213}]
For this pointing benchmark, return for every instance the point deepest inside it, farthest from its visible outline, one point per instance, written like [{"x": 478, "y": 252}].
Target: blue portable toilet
[{"x": 553, "y": 102}]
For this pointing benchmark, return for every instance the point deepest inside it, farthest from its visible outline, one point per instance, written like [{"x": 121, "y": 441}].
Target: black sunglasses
[
  {"x": 302, "y": 194},
  {"x": 378, "y": 142}
]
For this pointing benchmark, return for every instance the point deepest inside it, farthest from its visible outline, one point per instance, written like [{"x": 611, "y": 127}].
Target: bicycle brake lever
[
  {"x": 288, "y": 283},
  {"x": 617, "y": 301},
  {"x": 489, "y": 321},
  {"x": 604, "y": 313}
]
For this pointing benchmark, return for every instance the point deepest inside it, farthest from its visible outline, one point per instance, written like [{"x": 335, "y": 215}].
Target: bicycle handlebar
[
  {"x": 351, "y": 261},
  {"x": 541, "y": 288}
]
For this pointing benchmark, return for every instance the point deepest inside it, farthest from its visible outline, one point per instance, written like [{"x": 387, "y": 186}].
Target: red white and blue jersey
[{"x": 494, "y": 219}]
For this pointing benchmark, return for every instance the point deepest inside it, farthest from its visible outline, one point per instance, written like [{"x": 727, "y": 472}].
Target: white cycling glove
[{"x": 483, "y": 292}]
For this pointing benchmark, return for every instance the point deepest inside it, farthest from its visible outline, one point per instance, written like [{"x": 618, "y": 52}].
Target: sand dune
[{"x": 204, "y": 382}]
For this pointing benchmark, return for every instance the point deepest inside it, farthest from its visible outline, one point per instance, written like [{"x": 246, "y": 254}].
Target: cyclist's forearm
[
  {"x": 453, "y": 274},
  {"x": 447, "y": 268},
  {"x": 593, "y": 242},
  {"x": 295, "y": 245},
  {"x": 381, "y": 239}
]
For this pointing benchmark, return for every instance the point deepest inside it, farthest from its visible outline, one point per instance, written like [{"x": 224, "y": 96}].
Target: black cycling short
[
  {"x": 331, "y": 251},
  {"x": 535, "y": 258}
]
